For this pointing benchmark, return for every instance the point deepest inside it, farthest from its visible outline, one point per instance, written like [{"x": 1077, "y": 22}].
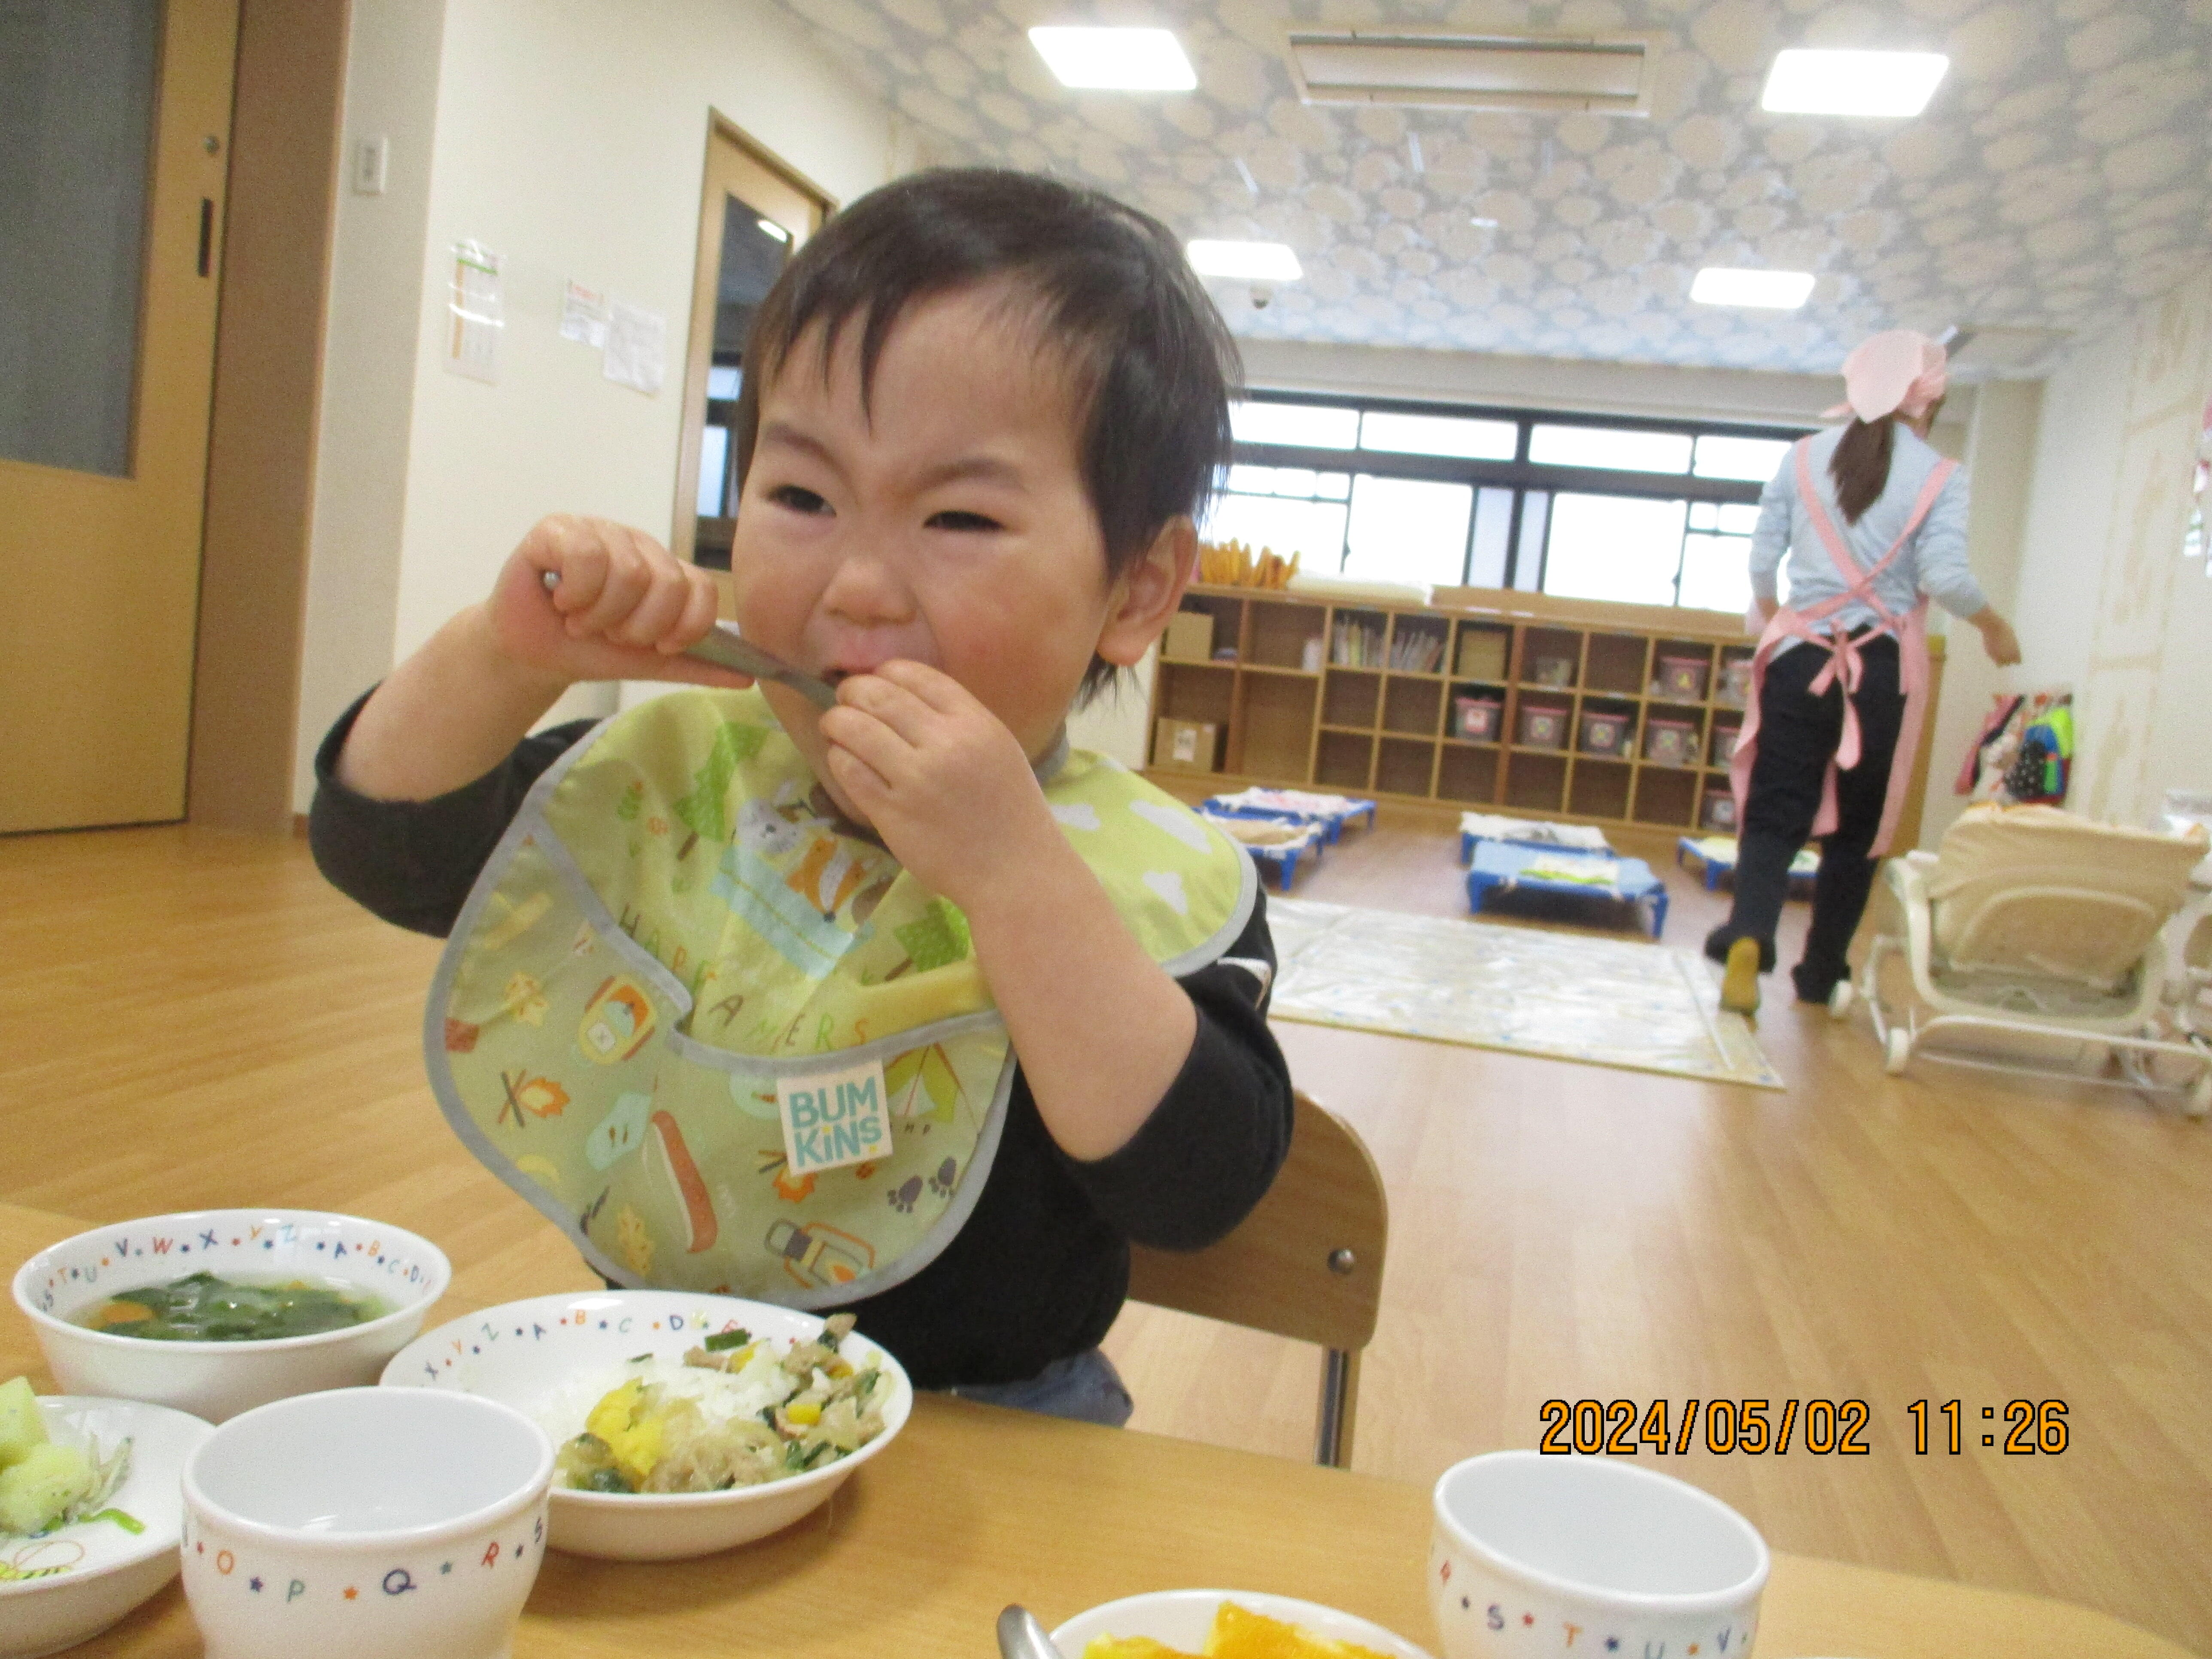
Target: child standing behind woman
[
  {"x": 1874, "y": 521},
  {"x": 900, "y": 1006}
]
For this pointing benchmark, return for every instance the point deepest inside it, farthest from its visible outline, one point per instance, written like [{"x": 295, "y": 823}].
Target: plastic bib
[{"x": 729, "y": 1047}]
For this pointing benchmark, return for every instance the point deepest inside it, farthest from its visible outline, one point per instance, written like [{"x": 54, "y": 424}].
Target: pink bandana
[{"x": 1895, "y": 373}]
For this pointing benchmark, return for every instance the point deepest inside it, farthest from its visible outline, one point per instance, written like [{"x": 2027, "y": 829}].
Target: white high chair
[{"x": 2043, "y": 929}]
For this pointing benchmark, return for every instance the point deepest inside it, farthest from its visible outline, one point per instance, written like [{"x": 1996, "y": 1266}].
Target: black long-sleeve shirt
[{"x": 1041, "y": 1267}]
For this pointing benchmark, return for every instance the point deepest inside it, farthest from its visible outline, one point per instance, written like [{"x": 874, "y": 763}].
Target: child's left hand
[{"x": 941, "y": 778}]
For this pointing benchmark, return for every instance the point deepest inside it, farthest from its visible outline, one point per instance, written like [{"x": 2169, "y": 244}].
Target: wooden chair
[{"x": 1307, "y": 1263}]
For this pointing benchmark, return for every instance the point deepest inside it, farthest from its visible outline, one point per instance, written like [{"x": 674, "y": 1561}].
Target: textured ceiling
[{"x": 2064, "y": 169}]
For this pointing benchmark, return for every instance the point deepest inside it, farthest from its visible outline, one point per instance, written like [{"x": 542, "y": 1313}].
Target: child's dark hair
[{"x": 1152, "y": 365}]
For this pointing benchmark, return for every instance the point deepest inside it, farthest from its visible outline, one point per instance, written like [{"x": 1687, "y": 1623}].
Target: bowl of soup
[{"x": 216, "y": 1311}]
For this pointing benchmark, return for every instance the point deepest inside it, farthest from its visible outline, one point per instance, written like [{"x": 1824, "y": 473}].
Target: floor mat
[{"x": 1601, "y": 1001}]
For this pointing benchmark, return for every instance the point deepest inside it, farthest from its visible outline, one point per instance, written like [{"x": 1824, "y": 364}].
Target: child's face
[{"x": 946, "y": 523}]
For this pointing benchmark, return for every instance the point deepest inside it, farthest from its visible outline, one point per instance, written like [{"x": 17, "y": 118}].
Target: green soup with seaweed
[{"x": 204, "y": 1307}]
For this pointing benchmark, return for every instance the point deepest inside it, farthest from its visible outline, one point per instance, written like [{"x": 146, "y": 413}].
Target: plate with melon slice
[
  {"x": 1212, "y": 1624},
  {"x": 91, "y": 1510}
]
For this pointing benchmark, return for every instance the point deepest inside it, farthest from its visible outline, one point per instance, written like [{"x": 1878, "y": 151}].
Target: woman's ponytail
[{"x": 1860, "y": 465}]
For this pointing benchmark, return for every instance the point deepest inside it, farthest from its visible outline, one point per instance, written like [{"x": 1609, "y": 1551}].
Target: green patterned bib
[{"x": 729, "y": 1047}]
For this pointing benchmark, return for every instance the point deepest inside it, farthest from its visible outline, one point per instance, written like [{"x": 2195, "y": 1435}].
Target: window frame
[{"x": 1520, "y": 475}]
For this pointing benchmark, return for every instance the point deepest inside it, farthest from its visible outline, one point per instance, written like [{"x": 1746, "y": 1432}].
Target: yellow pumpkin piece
[
  {"x": 1132, "y": 1647},
  {"x": 635, "y": 1439},
  {"x": 839, "y": 1370},
  {"x": 121, "y": 1313},
  {"x": 804, "y": 1412},
  {"x": 1240, "y": 1633}
]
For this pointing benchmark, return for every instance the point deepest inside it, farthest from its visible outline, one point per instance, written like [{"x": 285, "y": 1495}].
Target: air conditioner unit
[{"x": 1603, "y": 73}]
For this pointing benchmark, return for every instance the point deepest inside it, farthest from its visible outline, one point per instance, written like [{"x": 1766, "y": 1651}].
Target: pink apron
[{"x": 1844, "y": 665}]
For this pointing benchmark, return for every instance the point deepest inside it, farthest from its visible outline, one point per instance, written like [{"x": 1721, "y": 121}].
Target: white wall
[
  {"x": 2106, "y": 603},
  {"x": 368, "y": 369},
  {"x": 2000, "y": 456},
  {"x": 569, "y": 138}
]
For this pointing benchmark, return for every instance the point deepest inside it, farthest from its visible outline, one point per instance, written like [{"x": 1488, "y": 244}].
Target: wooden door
[
  {"x": 754, "y": 213},
  {"x": 108, "y": 314}
]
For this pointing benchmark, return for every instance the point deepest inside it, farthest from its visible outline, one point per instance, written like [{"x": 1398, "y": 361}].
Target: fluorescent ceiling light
[
  {"x": 1118, "y": 60},
  {"x": 776, "y": 230},
  {"x": 1777, "y": 290},
  {"x": 1887, "y": 83},
  {"x": 1258, "y": 262}
]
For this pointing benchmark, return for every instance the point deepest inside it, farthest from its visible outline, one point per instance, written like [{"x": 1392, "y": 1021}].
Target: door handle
[{"x": 207, "y": 233}]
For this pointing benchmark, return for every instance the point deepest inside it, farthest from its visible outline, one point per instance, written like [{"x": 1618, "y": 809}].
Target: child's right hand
[{"x": 624, "y": 607}]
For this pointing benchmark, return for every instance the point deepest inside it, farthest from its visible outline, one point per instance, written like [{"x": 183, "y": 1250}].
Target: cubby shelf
[{"x": 1368, "y": 728}]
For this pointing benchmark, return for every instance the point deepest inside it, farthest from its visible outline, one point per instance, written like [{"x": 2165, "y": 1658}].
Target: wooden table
[{"x": 975, "y": 1507}]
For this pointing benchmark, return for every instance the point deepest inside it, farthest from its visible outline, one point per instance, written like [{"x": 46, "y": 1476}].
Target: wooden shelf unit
[{"x": 1372, "y": 729}]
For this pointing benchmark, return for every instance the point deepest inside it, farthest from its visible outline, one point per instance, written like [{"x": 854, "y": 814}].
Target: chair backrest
[
  {"x": 1306, "y": 1263},
  {"x": 2038, "y": 890}
]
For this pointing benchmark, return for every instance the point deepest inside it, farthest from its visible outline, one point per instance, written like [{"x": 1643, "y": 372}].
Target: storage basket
[
  {"x": 1683, "y": 677},
  {"x": 1477, "y": 719},
  {"x": 1605, "y": 731},
  {"x": 1543, "y": 727},
  {"x": 1720, "y": 810},
  {"x": 1669, "y": 743}
]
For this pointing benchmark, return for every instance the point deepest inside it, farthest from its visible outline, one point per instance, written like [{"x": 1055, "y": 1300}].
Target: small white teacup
[
  {"x": 366, "y": 1523},
  {"x": 1538, "y": 1555}
]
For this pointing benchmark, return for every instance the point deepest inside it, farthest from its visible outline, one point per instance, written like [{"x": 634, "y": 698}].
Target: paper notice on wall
[
  {"x": 637, "y": 347},
  {"x": 476, "y": 313},
  {"x": 584, "y": 315}
]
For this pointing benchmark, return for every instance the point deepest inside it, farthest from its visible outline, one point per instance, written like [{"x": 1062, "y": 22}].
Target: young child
[{"x": 901, "y": 1006}]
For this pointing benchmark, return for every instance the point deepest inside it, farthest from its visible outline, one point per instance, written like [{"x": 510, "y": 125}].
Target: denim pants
[{"x": 1084, "y": 1386}]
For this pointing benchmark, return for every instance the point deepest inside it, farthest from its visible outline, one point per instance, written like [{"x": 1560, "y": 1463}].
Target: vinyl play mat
[{"x": 1604, "y": 1002}]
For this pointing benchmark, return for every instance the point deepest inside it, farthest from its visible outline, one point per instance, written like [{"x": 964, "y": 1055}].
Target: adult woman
[{"x": 1875, "y": 522}]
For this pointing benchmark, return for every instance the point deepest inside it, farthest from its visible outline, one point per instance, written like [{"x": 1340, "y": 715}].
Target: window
[
  {"x": 714, "y": 471},
  {"x": 1492, "y": 549},
  {"x": 1409, "y": 530},
  {"x": 1627, "y": 548},
  {"x": 1439, "y": 434},
  {"x": 1533, "y": 502},
  {"x": 1753, "y": 459},
  {"x": 1608, "y": 447},
  {"x": 1307, "y": 425},
  {"x": 1283, "y": 510}
]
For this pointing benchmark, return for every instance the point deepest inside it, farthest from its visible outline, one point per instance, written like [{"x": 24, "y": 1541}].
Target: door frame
[
  {"x": 273, "y": 300},
  {"x": 734, "y": 161}
]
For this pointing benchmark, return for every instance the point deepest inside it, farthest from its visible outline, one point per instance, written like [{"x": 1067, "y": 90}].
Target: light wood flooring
[{"x": 190, "y": 1018}]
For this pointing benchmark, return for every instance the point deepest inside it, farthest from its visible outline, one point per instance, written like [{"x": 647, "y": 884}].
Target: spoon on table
[
  {"x": 1020, "y": 1637},
  {"x": 727, "y": 648}
]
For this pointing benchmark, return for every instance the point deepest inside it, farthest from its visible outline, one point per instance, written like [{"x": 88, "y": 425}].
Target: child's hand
[
  {"x": 624, "y": 609},
  {"x": 940, "y": 776}
]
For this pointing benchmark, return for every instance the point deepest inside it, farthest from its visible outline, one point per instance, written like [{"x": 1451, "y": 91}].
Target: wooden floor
[{"x": 1558, "y": 1231}]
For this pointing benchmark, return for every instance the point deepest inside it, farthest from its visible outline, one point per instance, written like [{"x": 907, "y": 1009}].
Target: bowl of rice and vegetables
[{"x": 683, "y": 1424}]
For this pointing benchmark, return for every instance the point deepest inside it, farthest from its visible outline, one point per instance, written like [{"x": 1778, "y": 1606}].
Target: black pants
[{"x": 1798, "y": 734}]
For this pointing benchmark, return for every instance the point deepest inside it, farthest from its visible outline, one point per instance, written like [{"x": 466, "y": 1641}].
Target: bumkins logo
[{"x": 834, "y": 1119}]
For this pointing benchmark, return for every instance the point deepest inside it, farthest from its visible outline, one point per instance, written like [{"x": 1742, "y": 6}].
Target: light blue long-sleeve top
[{"x": 1933, "y": 563}]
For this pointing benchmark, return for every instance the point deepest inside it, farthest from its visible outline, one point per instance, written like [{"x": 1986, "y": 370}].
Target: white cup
[
  {"x": 1538, "y": 1555},
  {"x": 366, "y": 1523}
]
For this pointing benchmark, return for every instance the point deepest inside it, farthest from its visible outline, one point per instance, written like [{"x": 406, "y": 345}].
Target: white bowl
[
  {"x": 1182, "y": 1618},
  {"x": 373, "y": 1523},
  {"x": 1525, "y": 1542},
  {"x": 218, "y": 1380},
  {"x": 82, "y": 1578},
  {"x": 528, "y": 1354}
]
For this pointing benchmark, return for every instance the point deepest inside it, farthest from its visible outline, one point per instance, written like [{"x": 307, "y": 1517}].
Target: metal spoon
[
  {"x": 1020, "y": 1637},
  {"x": 727, "y": 648}
]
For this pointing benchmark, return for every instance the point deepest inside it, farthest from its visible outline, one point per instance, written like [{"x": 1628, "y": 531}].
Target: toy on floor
[
  {"x": 1528, "y": 832},
  {"x": 1502, "y": 867},
  {"x": 1331, "y": 813},
  {"x": 1273, "y": 843},
  {"x": 1715, "y": 856}
]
